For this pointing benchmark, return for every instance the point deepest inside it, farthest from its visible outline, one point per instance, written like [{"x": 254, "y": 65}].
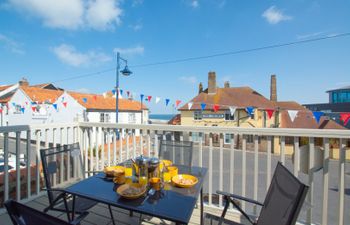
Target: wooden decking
[{"x": 99, "y": 215}]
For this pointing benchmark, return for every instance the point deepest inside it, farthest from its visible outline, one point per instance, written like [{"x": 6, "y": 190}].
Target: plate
[
  {"x": 135, "y": 190},
  {"x": 113, "y": 171},
  {"x": 185, "y": 180}
]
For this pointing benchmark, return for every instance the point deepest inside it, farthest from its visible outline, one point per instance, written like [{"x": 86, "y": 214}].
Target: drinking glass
[{"x": 128, "y": 168}]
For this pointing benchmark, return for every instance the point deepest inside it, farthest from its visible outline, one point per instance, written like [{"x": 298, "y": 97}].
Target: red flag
[
  {"x": 0, "y": 110},
  {"x": 177, "y": 103},
  {"x": 26, "y": 103},
  {"x": 149, "y": 98},
  {"x": 65, "y": 104},
  {"x": 33, "y": 108},
  {"x": 345, "y": 117},
  {"x": 216, "y": 107},
  {"x": 270, "y": 112},
  {"x": 95, "y": 97}
]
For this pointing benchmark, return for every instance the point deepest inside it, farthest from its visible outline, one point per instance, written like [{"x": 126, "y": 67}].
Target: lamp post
[{"x": 125, "y": 72}]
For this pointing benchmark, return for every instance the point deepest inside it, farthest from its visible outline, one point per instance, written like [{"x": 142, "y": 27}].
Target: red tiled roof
[
  {"x": 41, "y": 95},
  {"x": 237, "y": 96},
  {"x": 99, "y": 102},
  {"x": 176, "y": 120},
  {"x": 304, "y": 119},
  {"x": 291, "y": 105},
  {"x": 4, "y": 87}
]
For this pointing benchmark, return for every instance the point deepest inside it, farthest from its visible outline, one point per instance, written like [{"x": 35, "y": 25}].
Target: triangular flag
[
  {"x": 95, "y": 97},
  {"x": 149, "y": 98},
  {"x": 270, "y": 112},
  {"x": 157, "y": 100},
  {"x": 203, "y": 105},
  {"x": 232, "y": 110},
  {"x": 65, "y": 104},
  {"x": 13, "y": 104},
  {"x": 0, "y": 110},
  {"x": 317, "y": 115},
  {"x": 22, "y": 109},
  {"x": 189, "y": 105},
  {"x": 345, "y": 117},
  {"x": 250, "y": 110},
  {"x": 177, "y": 103},
  {"x": 55, "y": 106},
  {"x": 216, "y": 107},
  {"x": 62, "y": 99},
  {"x": 33, "y": 108},
  {"x": 128, "y": 93},
  {"x": 26, "y": 103},
  {"x": 120, "y": 91},
  {"x": 113, "y": 92},
  {"x": 104, "y": 94},
  {"x": 167, "y": 101},
  {"x": 84, "y": 100},
  {"x": 292, "y": 114},
  {"x": 142, "y": 96}
]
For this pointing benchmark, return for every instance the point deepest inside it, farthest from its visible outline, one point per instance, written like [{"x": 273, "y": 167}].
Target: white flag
[
  {"x": 104, "y": 94},
  {"x": 157, "y": 100},
  {"x": 292, "y": 114},
  {"x": 190, "y": 105},
  {"x": 232, "y": 110}
]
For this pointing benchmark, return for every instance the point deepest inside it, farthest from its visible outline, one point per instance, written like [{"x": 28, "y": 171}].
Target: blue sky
[{"x": 47, "y": 41}]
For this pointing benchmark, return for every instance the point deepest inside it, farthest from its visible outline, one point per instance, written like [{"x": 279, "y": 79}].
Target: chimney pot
[
  {"x": 273, "y": 89},
  {"x": 24, "y": 82},
  {"x": 211, "y": 83},
  {"x": 200, "y": 88},
  {"x": 226, "y": 84}
]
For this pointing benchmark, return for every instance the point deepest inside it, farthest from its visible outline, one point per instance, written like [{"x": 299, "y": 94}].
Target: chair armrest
[
  {"x": 77, "y": 220},
  {"x": 240, "y": 198}
]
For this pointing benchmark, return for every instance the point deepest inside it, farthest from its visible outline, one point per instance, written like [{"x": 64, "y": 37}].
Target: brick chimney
[
  {"x": 200, "y": 88},
  {"x": 273, "y": 89},
  {"x": 24, "y": 82},
  {"x": 227, "y": 84},
  {"x": 211, "y": 83}
]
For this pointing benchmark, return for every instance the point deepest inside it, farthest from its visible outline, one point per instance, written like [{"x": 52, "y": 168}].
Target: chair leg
[
  {"x": 111, "y": 212},
  {"x": 67, "y": 209},
  {"x": 131, "y": 213}
]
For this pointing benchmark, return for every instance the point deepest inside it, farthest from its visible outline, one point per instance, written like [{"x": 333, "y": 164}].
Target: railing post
[
  {"x": 341, "y": 190},
  {"x": 244, "y": 167},
  {"x": 37, "y": 159},
  {"x": 268, "y": 163},
  {"x": 221, "y": 167},
  {"x": 296, "y": 156},
  {"x": 6, "y": 166},
  {"x": 325, "y": 182},
  {"x": 256, "y": 169},
  {"x": 210, "y": 169},
  {"x": 310, "y": 195},
  {"x": 28, "y": 163},
  {"x": 18, "y": 168}
]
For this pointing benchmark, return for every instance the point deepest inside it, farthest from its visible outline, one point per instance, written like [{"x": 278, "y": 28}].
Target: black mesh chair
[
  {"x": 179, "y": 152},
  {"x": 24, "y": 215},
  {"x": 282, "y": 203},
  {"x": 63, "y": 165}
]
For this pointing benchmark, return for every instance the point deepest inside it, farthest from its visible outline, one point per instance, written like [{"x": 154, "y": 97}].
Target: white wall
[{"x": 123, "y": 117}]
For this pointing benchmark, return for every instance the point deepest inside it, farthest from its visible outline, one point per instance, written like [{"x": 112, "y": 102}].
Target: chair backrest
[
  {"x": 179, "y": 152},
  {"x": 61, "y": 164},
  {"x": 284, "y": 199},
  {"x": 24, "y": 215}
]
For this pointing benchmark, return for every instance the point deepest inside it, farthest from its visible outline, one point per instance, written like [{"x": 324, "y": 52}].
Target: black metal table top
[{"x": 171, "y": 203}]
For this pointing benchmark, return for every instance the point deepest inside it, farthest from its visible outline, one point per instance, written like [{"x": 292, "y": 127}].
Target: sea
[{"x": 161, "y": 116}]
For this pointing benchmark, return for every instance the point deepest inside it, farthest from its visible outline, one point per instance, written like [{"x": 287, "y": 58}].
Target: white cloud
[
  {"x": 72, "y": 14},
  {"x": 274, "y": 15},
  {"x": 136, "y": 27},
  {"x": 11, "y": 45},
  {"x": 137, "y": 50},
  {"x": 103, "y": 14},
  {"x": 195, "y": 3},
  {"x": 188, "y": 79},
  {"x": 69, "y": 55}
]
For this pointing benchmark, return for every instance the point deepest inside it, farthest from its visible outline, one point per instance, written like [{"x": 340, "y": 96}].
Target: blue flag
[
  {"x": 317, "y": 115},
  {"x": 14, "y": 104},
  {"x": 167, "y": 101},
  {"x": 142, "y": 96},
  {"x": 250, "y": 110},
  {"x": 22, "y": 109},
  {"x": 203, "y": 105},
  {"x": 84, "y": 100},
  {"x": 55, "y": 106},
  {"x": 121, "y": 92},
  {"x": 113, "y": 92}
]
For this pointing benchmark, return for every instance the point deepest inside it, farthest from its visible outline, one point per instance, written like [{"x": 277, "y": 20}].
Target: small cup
[
  {"x": 173, "y": 170},
  {"x": 155, "y": 183}
]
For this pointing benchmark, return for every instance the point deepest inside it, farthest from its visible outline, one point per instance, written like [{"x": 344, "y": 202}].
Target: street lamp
[{"x": 125, "y": 72}]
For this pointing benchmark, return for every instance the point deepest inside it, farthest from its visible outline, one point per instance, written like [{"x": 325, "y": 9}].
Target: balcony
[{"x": 239, "y": 160}]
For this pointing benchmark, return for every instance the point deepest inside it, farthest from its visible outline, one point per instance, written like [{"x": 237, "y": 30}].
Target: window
[
  {"x": 195, "y": 136},
  {"x": 227, "y": 139},
  {"x": 105, "y": 118},
  {"x": 250, "y": 138},
  {"x": 197, "y": 115},
  {"x": 102, "y": 117},
  {"x": 228, "y": 115},
  {"x": 18, "y": 109},
  {"x": 132, "y": 118}
]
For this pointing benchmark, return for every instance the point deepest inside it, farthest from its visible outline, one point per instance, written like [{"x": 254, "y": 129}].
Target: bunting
[
  {"x": 317, "y": 115},
  {"x": 22, "y": 109},
  {"x": 292, "y": 114},
  {"x": 203, "y": 105},
  {"x": 345, "y": 117},
  {"x": 64, "y": 104},
  {"x": 167, "y": 101},
  {"x": 95, "y": 97},
  {"x": 55, "y": 106},
  {"x": 157, "y": 100},
  {"x": 33, "y": 108},
  {"x": 216, "y": 107},
  {"x": 177, "y": 103},
  {"x": 149, "y": 98},
  {"x": 269, "y": 112},
  {"x": 104, "y": 94},
  {"x": 128, "y": 93},
  {"x": 120, "y": 92},
  {"x": 84, "y": 100},
  {"x": 250, "y": 110},
  {"x": 189, "y": 105},
  {"x": 113, "y": 92},
  {"x": 232, "y": 110},
  {"x": 142, "y": 96},
  {"x": 0, "y": 110}
]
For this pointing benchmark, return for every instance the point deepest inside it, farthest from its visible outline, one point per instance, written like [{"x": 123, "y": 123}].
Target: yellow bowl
[
  {"x": 185, "y": 180},
  {"x": 113, "y": 171},
  {"x": 140, "y": 190}
]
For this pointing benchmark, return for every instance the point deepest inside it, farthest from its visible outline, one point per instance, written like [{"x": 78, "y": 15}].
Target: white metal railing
[{"x": 243, "y": 166}]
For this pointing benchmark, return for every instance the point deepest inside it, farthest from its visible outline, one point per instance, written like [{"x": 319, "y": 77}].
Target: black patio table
[{"x": 171, "y": 203}]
